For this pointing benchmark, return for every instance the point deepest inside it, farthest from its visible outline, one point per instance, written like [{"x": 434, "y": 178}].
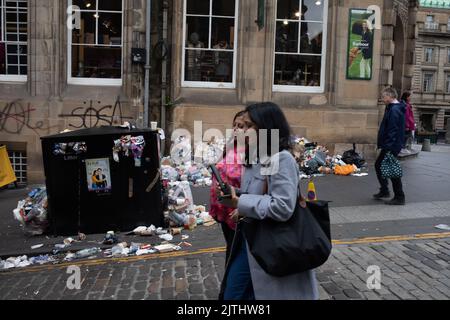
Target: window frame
[
  {"x": 432, "y": 54},
  {"x": 432, "y": 73},
  {"x": 9, "y": 77},
  {"x": 204, "y": 84},
  {"x": 447, "y": 82},
  {"x": 99, "y": 82},
  {"x": 303, "y": 89}
]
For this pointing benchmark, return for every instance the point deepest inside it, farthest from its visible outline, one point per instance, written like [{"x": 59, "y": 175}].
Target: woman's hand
[
  {"x": 235, "y": 215},
  {"x": 228, "y": 202}
]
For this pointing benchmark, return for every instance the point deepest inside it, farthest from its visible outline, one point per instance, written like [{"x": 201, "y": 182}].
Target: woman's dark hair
[
  {"x": 268, "y": 115},
  {"x": 406, "y": 95},
  {"x": 239, "y": 114}
]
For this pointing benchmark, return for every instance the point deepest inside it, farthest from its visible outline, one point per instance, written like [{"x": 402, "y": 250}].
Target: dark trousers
[
  {"x": 384, "y": 183},
  {"x": 239, "y": 284},
  {"x": 228, "y": 234}
]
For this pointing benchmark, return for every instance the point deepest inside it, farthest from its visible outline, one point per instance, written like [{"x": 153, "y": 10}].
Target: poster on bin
[
  {"x": 98, "y": 175},
  {"x": 360, "y": 44}
]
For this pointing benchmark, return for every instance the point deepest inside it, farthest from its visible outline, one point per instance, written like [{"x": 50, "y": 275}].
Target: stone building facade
[
  {"x": 59, "y": 78},
  {"x": 338, "y": 111},
  {"x": 432, "y": 73},
  {"x": 67, "y": 79}
]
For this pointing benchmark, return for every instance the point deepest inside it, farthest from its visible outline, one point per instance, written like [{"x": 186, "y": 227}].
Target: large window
[
  {"x": 13, "y": 40},
  {"x": 447, "y": 83},
  {"x": 95, "y": 49},
  {"x": 300, "y": 45},
  {"x": 209, "y": 43},
  {"x": 428, "y": 82},
  {"x": 429, "y": 55}
]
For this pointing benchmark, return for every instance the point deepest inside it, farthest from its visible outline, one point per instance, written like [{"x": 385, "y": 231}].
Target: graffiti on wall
[
  {"x": 15, "y": 117},
  {"x": 94, "y": 116}
]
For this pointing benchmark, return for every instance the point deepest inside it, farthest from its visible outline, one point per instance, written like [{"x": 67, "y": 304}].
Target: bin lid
[{"x": 99, "y": 131}]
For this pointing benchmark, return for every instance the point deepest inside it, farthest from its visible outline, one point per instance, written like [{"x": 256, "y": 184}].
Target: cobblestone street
[{"x": 410, "y": 270}]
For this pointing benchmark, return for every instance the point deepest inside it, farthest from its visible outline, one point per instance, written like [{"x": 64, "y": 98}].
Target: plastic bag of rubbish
[
  {"x": 43, "y": 259},
  {"x": 352, "y": 157},
  {"x": 144, "y": 231},
  {"x": 169, "y": 173},
  {"x": 182, "y": 190},
  {"x": 166, "y": 237},
  {"x": 32, "y": 212}
]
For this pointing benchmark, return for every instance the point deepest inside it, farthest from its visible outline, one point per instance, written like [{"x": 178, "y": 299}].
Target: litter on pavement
[
  {"x": 32, "y": 212},
  {"x": 443, "y": 227}
]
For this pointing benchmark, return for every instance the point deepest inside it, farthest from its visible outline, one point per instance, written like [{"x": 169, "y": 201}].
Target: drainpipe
[
  {"x": 164, "y": 68},
  {"x": 147, "y": 64}
]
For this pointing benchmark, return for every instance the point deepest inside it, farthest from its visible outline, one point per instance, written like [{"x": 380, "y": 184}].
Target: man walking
[{"x": 391, "y": 136}]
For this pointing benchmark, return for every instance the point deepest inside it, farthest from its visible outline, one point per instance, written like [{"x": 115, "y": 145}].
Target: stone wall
[
  {"x": 47, "y": 104},
  {"x": 348, "y": 111}
]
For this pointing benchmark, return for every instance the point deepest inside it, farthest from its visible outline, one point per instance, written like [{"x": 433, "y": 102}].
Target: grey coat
[{"x": 278, "y": 204}]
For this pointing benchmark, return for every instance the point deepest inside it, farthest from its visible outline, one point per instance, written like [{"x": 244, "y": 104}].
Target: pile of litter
[
  {"x": 315, "y": 160},
  {"x": 162, "y": 244},
  {"x": 24, "y": 261},
  {"x": 32, "y": 212}
]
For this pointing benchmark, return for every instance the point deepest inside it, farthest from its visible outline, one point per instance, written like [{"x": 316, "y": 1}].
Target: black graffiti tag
[
  {"x": 14, "y": 118},
  {"x": 92, "y": 117}
]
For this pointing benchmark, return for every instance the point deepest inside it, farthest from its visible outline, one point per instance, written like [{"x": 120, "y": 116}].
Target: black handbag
[{"x": 284, "y": 248}]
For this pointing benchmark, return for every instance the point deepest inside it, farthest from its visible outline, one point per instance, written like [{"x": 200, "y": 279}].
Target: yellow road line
[
  {"x": 102, "y": 261},
  {"x": 393, "y": 238}
]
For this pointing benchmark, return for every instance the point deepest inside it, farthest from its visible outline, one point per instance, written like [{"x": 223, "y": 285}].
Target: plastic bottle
[{"x": 87, "y": 252}]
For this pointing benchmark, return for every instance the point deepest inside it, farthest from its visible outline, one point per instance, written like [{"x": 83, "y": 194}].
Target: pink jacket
[{"x": 410, "y": 123}]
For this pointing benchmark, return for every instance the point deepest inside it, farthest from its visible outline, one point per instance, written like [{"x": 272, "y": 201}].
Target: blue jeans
[{"x": 239, "y": 281}]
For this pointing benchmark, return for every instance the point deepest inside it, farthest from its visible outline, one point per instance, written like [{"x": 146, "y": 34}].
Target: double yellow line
[{"x": 177, "y": 254}]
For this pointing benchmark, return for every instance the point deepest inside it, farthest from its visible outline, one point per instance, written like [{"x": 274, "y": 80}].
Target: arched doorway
[{"x": 398, "y": 60}]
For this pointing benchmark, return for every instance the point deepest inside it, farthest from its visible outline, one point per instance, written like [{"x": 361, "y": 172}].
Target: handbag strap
[{"x": 301, "y": 198}]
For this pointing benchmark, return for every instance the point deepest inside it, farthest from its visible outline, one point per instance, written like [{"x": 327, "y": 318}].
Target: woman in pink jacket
[{"x": 410, "y": 125}]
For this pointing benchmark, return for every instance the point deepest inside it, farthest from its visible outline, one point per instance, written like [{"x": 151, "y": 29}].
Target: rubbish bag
[{"x": 352, "y": 157}]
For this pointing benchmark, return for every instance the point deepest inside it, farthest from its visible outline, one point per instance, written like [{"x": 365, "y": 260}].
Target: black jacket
[{"x": 391, "y": 134}]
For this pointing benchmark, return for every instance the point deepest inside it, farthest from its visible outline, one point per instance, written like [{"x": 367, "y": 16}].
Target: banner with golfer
[{"x": 360, "y": 44}]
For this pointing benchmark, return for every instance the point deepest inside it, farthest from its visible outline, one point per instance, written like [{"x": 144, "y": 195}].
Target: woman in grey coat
[{"x": 269, "y": 190}]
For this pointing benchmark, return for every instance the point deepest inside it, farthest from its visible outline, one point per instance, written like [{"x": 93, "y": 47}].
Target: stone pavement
[{"x": 410, "y": 270}]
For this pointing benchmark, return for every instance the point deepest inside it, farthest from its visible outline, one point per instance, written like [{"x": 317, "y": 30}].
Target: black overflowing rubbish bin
[{"x": 90, "y": 192}]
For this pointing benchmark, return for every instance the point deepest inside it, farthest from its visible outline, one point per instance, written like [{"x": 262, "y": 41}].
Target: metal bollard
[{"x": 426, "y": 146}]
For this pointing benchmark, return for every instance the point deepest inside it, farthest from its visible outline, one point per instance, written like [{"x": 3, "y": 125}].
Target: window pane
[
  {"x": 197, "y": 32},
  {"x": 287, "y": 37},
  {"x": 85, "y": 4},
  {"x": 209, "y": 66},
  {"x": 223, "y": 8},
  {"x": 13, "y": 59},
  {"x": 110, "y": 29},
  {"x": 311, "y": 37},
  {"x": 222, "y": 35},
  {"x": 110, "y": 5},
  {"x": 96, "y": 62},
  {"x": 11, "y": 37},
  {"x": 12, "y": 48},
  {"x": 312, "y": 10},
  {"x": 86, "y": 34},
  {"x": 198, "y": 7},
  {"x": 288, "y": 9},
  {"x": 297, "y": 70},
  {"x": 13, "y": 70},
  {"x": 23, "y": 71}
]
